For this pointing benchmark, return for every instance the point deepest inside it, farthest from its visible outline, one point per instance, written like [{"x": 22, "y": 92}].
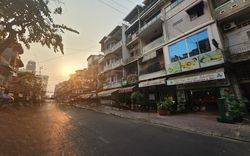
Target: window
[
  {"x": 196, "y": 11},
  {"x": 191, "y": 46}
]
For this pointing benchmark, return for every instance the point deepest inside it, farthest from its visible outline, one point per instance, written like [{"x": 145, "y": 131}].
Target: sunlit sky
[{"x": 93, "y": 19}]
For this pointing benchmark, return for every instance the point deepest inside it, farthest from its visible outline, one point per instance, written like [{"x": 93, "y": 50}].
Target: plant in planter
[
  {"x": 165, "y": 106},
  {"x": 236, "y": 108}
]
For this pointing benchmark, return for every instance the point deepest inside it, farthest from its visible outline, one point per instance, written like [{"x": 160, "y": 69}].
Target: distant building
[
  {"x": 31, "y": 66},
  {"x": 45, "y": 80}
]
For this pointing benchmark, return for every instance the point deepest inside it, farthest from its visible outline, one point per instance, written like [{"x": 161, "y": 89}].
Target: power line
[
  {"x": 118, "y": 10},
  {"x": 119, "y": 4},
  {"x": 79, "y": 51}
]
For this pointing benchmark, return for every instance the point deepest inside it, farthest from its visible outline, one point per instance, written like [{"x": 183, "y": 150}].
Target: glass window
[
  {"x": 191, "y": 46},
  {"x": 178, "y": 51}
]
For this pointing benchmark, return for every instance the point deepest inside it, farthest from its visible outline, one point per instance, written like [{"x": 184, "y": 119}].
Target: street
[{"x": 53, "y": 129}]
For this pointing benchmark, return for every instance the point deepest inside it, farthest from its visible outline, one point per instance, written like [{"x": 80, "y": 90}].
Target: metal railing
[
  {"x": 113, "y": 48},
  {"x": 159, "y": 41},
  {"x": 113, "y": 65},
  {"x": 231, "y": 7},
  {"x": 114, "y": 84},
  {"x": 145, "y": 26},
  {"x": 132, "y": 37}
]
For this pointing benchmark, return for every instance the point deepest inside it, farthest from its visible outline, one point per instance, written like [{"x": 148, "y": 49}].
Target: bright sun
[{"x": 67, "y": 70}]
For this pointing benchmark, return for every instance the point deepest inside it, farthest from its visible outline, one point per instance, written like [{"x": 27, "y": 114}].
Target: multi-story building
[
  {"x": 93, "y": 61},
  {"x": 111, "y": 65},
  {"x": 234, "y": 23},
  {"x": 193, "y": 57}
]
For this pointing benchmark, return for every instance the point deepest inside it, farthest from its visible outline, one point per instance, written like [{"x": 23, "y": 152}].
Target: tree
[{"x": 30, "y": 21}]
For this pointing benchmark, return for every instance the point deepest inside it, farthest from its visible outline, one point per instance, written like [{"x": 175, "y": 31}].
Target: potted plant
[
  {"x": 165, "y": 106},
  {"x": 236, "y": 108}
]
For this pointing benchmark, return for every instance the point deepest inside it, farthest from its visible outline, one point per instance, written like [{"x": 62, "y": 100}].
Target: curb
[{"x": 185, "y": 129}]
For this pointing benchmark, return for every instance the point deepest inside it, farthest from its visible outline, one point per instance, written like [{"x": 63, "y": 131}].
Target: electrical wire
[
  {"x": 119, "y": 4},
  {"x": 112, "y": 7}
]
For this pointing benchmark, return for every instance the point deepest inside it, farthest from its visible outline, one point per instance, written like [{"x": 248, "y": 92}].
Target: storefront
[
  {"x": 124, "y": 96},
  {"x": 155, "y": 90},
  {"x": 200, "y": 91}
]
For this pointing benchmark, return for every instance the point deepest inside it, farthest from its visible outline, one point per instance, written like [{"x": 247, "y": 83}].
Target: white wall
[{"x": 178, "y": 22}]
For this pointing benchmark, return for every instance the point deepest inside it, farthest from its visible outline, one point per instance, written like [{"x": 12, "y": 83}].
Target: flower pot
[{"x": 164, "y": 112}]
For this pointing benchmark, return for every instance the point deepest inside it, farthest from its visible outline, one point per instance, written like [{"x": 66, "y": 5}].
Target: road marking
[{"x": 103, "y": 140}]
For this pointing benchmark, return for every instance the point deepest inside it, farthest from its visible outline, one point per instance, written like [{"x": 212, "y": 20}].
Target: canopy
[
  {"x": 126, "y": 89},
  {"x": 107, "y": 93}
]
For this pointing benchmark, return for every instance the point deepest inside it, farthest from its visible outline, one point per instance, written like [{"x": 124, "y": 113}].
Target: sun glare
[{"x": 67, "y": 70}]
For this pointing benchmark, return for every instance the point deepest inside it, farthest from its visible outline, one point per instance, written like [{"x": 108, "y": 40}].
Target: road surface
[{"x": 53, "y": 129}]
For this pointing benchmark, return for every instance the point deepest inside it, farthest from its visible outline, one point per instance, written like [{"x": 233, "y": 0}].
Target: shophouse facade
[{"x": 233, "y": 17}]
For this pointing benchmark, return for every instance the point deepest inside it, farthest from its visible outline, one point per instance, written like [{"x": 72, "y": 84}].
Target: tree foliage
[{"x": 31, "y": 21}]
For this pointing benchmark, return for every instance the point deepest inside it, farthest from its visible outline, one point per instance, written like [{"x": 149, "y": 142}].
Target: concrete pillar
[{"x": 235, "y": 85}]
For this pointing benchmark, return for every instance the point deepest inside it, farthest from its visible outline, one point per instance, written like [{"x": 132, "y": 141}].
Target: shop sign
[
  {"x": 189, "y": 64},
  {"x": 173, "y": 68},
  {"x": 152, "y": 83},
  {"x": 197, "y": 78},
  {"x": 211, "y": 58}
]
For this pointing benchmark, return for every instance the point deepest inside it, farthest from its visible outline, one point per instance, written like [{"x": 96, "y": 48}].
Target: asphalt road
[{"x": 53, "y": 129}]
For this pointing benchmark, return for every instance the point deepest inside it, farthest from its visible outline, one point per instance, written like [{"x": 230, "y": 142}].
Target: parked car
[{"x": 4, "y": 98}]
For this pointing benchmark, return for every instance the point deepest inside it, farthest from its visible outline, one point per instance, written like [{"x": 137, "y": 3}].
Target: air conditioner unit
[{"x": 229, "y": 26}]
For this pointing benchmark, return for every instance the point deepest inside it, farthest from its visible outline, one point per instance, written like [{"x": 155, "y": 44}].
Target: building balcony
[
  {"x": 231, "y": 8},
  {"x": 239, "y": 48},
  {"x": 131, "y": 38},
  {"x": 114, "y": 84},
  {"x": 159, "y": 41},
  {"x": 238, "y": 43},
  {"x": 155, "y": 21},
  {"x": 113, "y": 65},
  {"x": 130, "y": 79},
  {"x": 113, "y": 48}
]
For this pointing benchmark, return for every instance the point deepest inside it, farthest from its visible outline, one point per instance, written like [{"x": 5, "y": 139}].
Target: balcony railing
[
  {"x": 114, "y": 84},
  {"x": 156, "y": 18},
  {"x": 136, "y": 55},
  {"x": 113, "y": 65},
  {"x": 239, "y": 48},
  {"x": 113, "y": 48},
  {"x": 132, "y": 37},
  {"x": 230, "y": 8},
  {"x": 159, "y": 41}
]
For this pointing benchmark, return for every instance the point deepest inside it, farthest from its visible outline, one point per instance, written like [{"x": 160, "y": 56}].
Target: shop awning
[
  {"x": 152, "y": 82},
  {"x": 216, "y": 74},
  {"x": 107, "y": 93},
  {"x": 126, "y": 90}
]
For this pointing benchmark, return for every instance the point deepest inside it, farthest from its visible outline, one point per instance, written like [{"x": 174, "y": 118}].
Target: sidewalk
[{"x": 195, "y": 122}]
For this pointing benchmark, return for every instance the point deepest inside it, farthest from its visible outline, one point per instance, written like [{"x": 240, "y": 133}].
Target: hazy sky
[{"x": 93, "y": 19}]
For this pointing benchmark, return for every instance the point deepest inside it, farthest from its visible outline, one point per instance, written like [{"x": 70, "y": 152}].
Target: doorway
[{"x": 203, "y": 99}]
